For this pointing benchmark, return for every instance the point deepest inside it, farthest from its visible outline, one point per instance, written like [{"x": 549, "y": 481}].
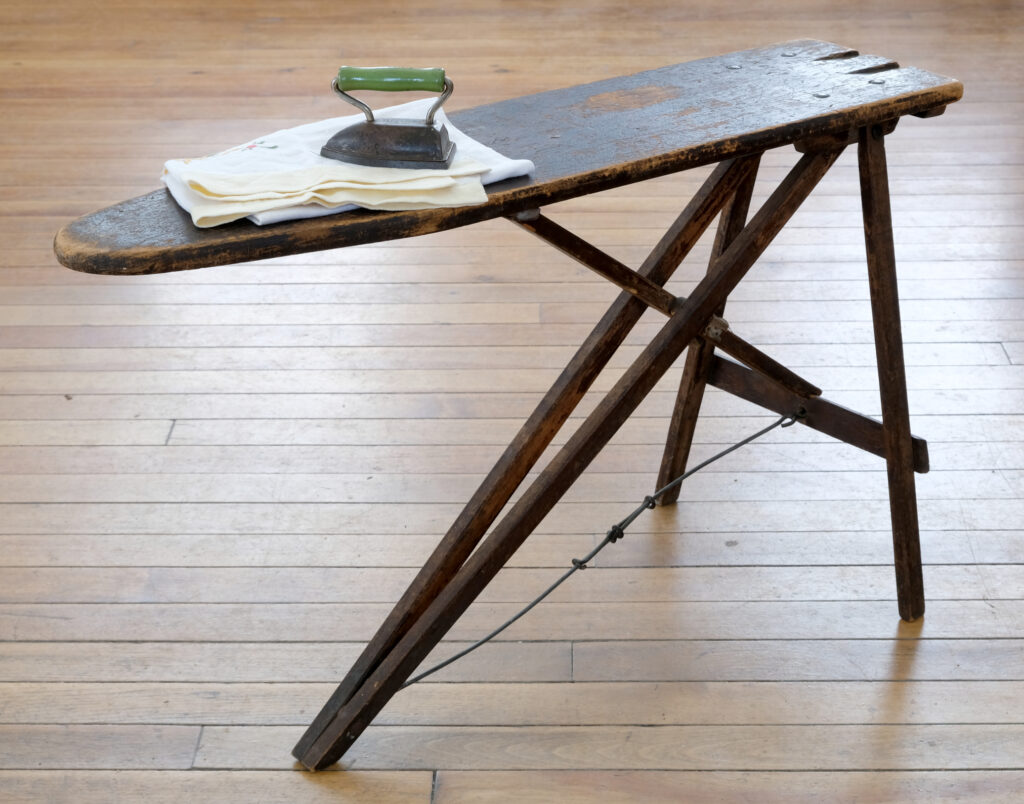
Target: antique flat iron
[{"x": 395, "y": 143}]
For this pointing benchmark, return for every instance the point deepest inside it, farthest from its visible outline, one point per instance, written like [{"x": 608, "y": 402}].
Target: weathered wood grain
[
  {"x": 536, "y": 433},
  {"x": 900, "y": 449},
  {"x": 581, "y": 140},
  {"x": 683, "y": 421}
]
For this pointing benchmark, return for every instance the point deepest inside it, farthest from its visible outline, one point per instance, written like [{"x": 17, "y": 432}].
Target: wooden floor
[{"x": 215, "y": 484}]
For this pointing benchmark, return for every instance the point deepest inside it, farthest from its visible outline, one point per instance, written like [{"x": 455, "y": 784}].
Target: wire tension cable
[{"x": 615, "y": 532}]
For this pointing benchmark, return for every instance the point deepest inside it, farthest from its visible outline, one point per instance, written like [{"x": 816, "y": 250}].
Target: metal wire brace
[{"x": 615, "y": 532}]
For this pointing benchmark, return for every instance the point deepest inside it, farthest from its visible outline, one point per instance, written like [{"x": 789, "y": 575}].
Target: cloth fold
[{"x": 282, "y": 176}]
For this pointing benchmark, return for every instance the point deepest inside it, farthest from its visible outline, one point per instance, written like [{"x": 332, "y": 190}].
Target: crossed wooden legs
[
  {"x": 904, "y": 453},
  {"x": 454, "y": 574}
]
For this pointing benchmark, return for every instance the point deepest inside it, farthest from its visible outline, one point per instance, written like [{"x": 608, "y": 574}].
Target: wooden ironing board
[{"x": 816, "y": 96}]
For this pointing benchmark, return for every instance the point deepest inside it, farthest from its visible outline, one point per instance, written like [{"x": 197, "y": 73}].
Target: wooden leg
[
  {"x": 698, "y": 358},
  {"x": 684, "y": 417},
  {"x": 892, "y": 381},
  {"x": 819, "y": 414},
  {"x": 533, "y": 438},
  {"x": 346, "y": 722}
]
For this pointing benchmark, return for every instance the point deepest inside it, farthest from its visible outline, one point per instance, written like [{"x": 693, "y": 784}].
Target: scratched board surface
[
  {"x": 582, "y": 139},
  {"x": 704, "y": 110}
]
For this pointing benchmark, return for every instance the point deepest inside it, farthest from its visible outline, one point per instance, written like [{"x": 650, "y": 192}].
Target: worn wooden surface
[
  {"x": 582, "y": 139},
  {"x": 324, "y": 745},
  {"x": 231, "y": 432},
  {"x": 534, "y": 436},
  {"x": 683, "y": 423},
  {"x": 892, "y": 382}
]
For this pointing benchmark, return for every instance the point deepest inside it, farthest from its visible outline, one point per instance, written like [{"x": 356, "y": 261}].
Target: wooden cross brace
[{"x": 464, "y": 562}]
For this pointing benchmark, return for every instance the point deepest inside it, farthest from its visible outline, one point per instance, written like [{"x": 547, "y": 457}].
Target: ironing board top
[{"x": 582, "y": 139}]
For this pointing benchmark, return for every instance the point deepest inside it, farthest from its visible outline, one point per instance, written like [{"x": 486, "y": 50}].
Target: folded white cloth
[{"x": 283, "y": 177}]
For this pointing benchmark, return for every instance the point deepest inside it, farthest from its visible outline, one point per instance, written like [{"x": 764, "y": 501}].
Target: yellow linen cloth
[{"x": 282, "y": 176}]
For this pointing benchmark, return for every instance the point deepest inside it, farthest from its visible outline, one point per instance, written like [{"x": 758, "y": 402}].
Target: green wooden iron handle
[{"x": 392, "y": 79}]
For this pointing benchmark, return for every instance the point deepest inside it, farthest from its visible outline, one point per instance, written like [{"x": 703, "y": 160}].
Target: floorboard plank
[
  {"x": 171, "y": 787},
  {"x": 627, "y": 787},
  {"x": 713, "y": 748},
  {"x": 304, "y": 622},
  {"x": 584, "y": 704},
  {"x": 261, "y": 662},
  {"x": 286, "y": 549},
  {"x": 386, "y": 584},
  {"x": 27, "y": 747}
]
